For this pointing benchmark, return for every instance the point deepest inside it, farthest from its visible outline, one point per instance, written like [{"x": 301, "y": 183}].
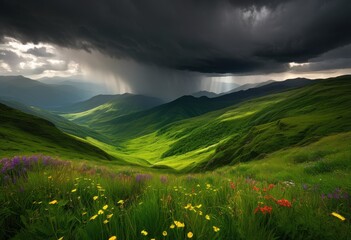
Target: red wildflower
[
  {"x": 264, "y": 209},
  {"x": 284, "y": 203},
  {"x": 271, "y": 186},
  {"x": 256, "y": 188},
  {"x": 232, "y": 185}
]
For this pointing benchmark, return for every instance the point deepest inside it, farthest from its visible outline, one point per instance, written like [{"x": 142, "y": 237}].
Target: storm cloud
[{"x": 239, "y": 37}]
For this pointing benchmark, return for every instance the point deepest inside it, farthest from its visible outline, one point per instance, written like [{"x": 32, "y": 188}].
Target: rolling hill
[
  {"x": 204, "y": 94},
  {"x": 21, "y": 133},
  {"x": 247, "y": 131},
  {"x": 61, "y": 123},
  {"x": 107, "y": 107},
  {"x": 144, "y": 122}
]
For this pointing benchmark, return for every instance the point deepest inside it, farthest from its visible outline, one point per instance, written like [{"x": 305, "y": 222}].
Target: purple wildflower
[{"x": 164, "y": 179}]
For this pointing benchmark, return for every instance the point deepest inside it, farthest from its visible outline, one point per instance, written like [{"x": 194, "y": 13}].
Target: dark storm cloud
[
  {"x": 40, "y": 52},
  {"x": 339, "y": 58},
  {"x": 247, "y": 36}
]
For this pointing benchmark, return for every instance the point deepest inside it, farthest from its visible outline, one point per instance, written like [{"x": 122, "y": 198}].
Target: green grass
[
  {"x": 155, "y": 202},
  {"x": 22, "y": 134}
]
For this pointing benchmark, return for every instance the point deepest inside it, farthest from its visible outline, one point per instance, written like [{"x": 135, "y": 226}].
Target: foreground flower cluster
[{"x": 61, "y": 200}]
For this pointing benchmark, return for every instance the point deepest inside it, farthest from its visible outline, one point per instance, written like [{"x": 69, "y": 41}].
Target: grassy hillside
[
  {"x": 21, "y": 133},
  {"x": 146, "y": 122},
  {"x": 60, "y": 122},
  {"x": 247, "y": 131},
  {"x": 107, "y": 107}
]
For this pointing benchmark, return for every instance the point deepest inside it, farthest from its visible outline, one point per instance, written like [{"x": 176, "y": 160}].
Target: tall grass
[{"x": 60, "y": 200}]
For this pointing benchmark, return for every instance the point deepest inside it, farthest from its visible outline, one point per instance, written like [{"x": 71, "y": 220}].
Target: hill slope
[
  {"x": 61, "y": 123},
  {"x": 141, "y": 123},
  {"x": 107, "y": 107},
  {"x": 21, "y": 133},
  {"x": 250, "y": 130}
]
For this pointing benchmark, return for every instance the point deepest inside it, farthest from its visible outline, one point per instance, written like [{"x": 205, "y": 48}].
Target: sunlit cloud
[{"x": 120, "y": 75}]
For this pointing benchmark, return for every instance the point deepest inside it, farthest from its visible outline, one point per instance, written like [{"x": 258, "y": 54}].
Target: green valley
[
  {"x": 193, "y": 165},
  {"x": 244, "y": 132}
]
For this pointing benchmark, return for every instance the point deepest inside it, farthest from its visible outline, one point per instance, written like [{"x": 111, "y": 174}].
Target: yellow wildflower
[
  {"x": 100, "y": 212},
  {"x": 143, "y": 232},
  {"x": 199, "y": 206},
  {"x": 95, "y": 198},
  {"x": 190, "y": 235},
  {"x": 200, "y": 213},
  {"x": 93, "y": 217},
  {"x": 172, "y": 226},
  {"x": 164, "y": 233},
  {"x": 207, "y": 217},
  {"x": 105, "y": 207},
  {"x": 179, "y": 224},
  {"x": 53, "y": 202},
  {"x": 61, "y": 238},
  {"x": 49, "y": 177},
  {"x": 109, "y": 216},
  {"x": 188, "y": 206},
  {"x": 120, "y": 202},
  {"x": 106, "y": 221},
  {"x": 337, "y": 215},
  {"x": 216, "y": 229},
  {"x": 113, "y": 238},
  {"x": 74, "y": 190}
]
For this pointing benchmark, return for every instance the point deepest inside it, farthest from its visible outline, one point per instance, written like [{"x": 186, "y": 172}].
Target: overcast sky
[{"x": 169, "y": 48}]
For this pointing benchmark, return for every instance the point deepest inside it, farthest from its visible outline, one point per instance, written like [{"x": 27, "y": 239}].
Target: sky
[{"x": 168, "y": 48}]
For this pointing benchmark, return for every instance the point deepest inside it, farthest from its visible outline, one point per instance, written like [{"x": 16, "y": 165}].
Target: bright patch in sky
[
  {"x": 34, "y": 60},
  {"x": 121, "y": 76}
]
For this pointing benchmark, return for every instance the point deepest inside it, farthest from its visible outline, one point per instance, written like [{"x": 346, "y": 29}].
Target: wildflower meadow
[{"x": 47, "y": 198}]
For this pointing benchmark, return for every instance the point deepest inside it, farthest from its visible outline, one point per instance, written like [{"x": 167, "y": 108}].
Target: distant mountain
[
  {"x": 227, "y": 86},
  {"x": 88, "y": 89},
  {"x": 248, "y": 86},
  {"x": 35, "y": 93},
  {"x": 107, "y": 107},
  {"x": 140, "y": 123},
  {"x": 204, "y": 94},
  {"x": 22, "y": 133}
]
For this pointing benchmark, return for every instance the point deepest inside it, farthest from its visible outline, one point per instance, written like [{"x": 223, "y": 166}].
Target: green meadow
[
  {"x": 273, "y": 167},
  {"x": 81, "y": 201}
]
